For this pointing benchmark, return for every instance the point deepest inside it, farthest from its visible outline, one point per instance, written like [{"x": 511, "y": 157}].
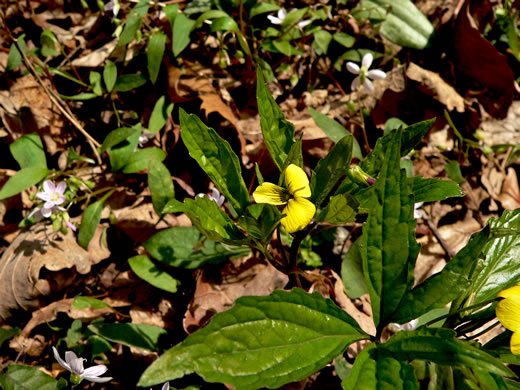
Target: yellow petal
[
  {"x": 510, "y": 292},
  {"x": 270, "y": 193},
  {"x": 515, "y": 343},
  {"x": 297, "y": 181},
  {"x": 508, "y": 312},
  {"x": 299, "y": 213}
]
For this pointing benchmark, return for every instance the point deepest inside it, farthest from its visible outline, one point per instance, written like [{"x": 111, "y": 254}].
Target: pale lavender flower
[
  {"x": 74, "y": 364},
  {"x": 215, "y": 196},
  {"x": 281, "y": 15},
  {"x": 166, "y": 386},
  {"x": 364, "y": 75},
  {"x": 52, "y": 195},
  {"x": 71, "y": 226}
]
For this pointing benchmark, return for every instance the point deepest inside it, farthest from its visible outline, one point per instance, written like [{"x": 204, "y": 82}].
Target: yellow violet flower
[
  {"x": 299, "y": 210},
  {"x": 508, "y": 312}
]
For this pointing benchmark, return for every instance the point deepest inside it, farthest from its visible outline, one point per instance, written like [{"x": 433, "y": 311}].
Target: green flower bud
[{"x": 358, "y": 176}]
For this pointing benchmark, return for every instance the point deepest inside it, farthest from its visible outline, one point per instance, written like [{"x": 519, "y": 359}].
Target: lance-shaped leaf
[
  {"x": 433, "y": 189},
  {"x": 161, "y": 185},
  {"x": 22, "y": 180},
  {"x": 445, "y": 286},
  {"x": 277, "y": 132},
  {"x": 374, "y": 371},
  {"x": 212, "y": 221},
  {"x": 388, "y": 243},
  {"x": 154, "y": 54},
  {"x": 147, "y": 270},
  {"x": 28, "y": 151},
  {"x": 90, "y": 221},
  {"x": 441, "y": 346},
  {"x": 501, "y": 265},
  {"x": 149, "y": 337},
  {"x": 216, "y": 158},
  {"x": 330, "y": 169},
  {"x": 412, "y": 135},
  {"x": 22, "y": 377},
  {"x": 261, "y": 342},
  {"x": 119, "y": 135}
]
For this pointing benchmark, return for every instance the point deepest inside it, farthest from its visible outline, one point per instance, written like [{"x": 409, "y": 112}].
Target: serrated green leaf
[
  {"x": 352, "y": 272},
  {"x": 277, "y": 132},
  {"x": 128, "y": 82},
  {"x": 148, "y": 271},
  {"x": 160, "y": 115},
  {"x": 161, "y": 185},
  {"x": 445, "y": 286},
  {"x": 441, "y": 346},
  {"x": 110, "y": 75},
  {"x": 341, "y": 209},
  {"x": 301, "y": 333},
  {"x": 117, "y": 136},
  {"x": 149, "y": 337},
  {"x": 121, "y": 153},
  {"x": 412, "y": 135},
  {"x": 142, "y": 158},
  {"x": 14, "y": 59},
  {"x": 363, "y": 375},
  {"x": 330, "y": 169},
  {"x": 22, "y": 180},
  {"x": 182, "y": 27},
  {"x": 90, "y": 221},
  {"x": 260, "y": 220},
  {"x": 48, "y": 43},
  {"x": 211, "y": 221},
  {"x": 334, "y": 130},
  {"x": 388, "y": 244},
  {"x": 403, "y": 23},
  {"x": 21, "y": 377},
  {"x": 154, "y": 54},
  {"x": 216, "y": 158},
  {"x": 433, "y": 189},
  {"x": 28, "y": 151}
]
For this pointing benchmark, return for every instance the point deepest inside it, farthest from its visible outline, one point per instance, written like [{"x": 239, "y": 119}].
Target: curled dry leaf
[
  {"x": 510, "y": 194},
  {"x": 252, "y": 278},
  {"x": 435, "y": 85},
  {"x": 36, "y": 249}
]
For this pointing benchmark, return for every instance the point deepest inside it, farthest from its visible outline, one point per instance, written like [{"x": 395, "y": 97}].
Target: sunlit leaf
[
  {"x": 22, "y": 180},
  {"x": 90, "y": 221},
  {"x": 149, "y": 337},
  {"x": 154, "y": 54},
  {"x": 21, "y": 377},
  {"x": 28, "y": 151},
  {"x": 161, "y": 185}
]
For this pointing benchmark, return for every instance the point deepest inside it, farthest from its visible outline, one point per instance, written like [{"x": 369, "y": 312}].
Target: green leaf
[
  {"x": 81, "y": 96},
  {"x": 119, "y": 135},
  {"x": 110, "y": 75},
  {"x": 128, "y": 82},
  {"x": 82, "y": 302},
  {"x": 341, "y": 209},
  {"x": 321, "y": 42},
  {"x": 262, "y": 8},
  {"x": 160, "y": 115},
  {"x": 121, "y": 153},
  {"x": 216, "y": 158},
  {"x": 171, "y": 11},
  {"x": 212, "y": 221},
  {"x": 453, "y": 171},
  {"x": 330, "y": 169},
  {"x": 148, "y": 271},
  {"x": 412, "y": 135},
  {"x": 260, "y": 220},
  {"x": 285, "y": 47},
  {"x": 182, "y": 27},
  {"x": 132, "y": 24},
  {"x": 154, "y": 54},
  {"x": 277, "y": 132},
  {"x": 433, "y": 189},
  {"x": 352, "y": 272},
  {"x": 501, "y": 264},
  {"x": 22, "y": 180},
  {"x": 95, "y": 83},
  {"x": 90, "y": 221},
  {"x": 183, "y": 247},
  {"x": 344, "y": 39},
  {"x": 224, "y": 23},
  {"x": 301, "y": 333},
  {"x": 445, "y": 286},
  {"x": 14, "y": 59},
  {"x": 363, "y": 375},
  {"x": 21, "y": 377},
  {"x": 294, "y": 16},
  {"x": 441, "y": 346},
  {"x": 334, "y": 130},
  {"x": 161, "y": 185},
  {"x": 142, "y": 158},
  {"x": 48, "y": 43},
  {"x": 403, "y": 23},
  {"x": 28, "y": 151},
  {"x": 6, "y": 334},
  {"x": 388, "y": 244},
  {"x": 149, "y": 337}
]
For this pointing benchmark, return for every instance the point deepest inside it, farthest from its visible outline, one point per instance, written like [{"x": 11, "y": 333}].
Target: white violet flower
[
  {"x": 364, "y": 75},
  {"x": 74, "y": 364},
  {"x": 215, "y": 196},
  {"x": 282, "y": 14}
]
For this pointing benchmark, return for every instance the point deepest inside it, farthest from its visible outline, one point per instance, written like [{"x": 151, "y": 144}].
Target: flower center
[{"x": 54, "y": 197}]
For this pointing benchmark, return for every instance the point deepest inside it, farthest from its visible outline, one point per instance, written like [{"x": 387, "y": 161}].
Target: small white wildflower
[
  {"x": 215, "y": 196},
  {"x": 145, "y": 137},
  {"x": 114, "y": 6},
  {"x": 364, "y": 75},
  {"x": 53, "y": 196},
  {"x": 282, "y": 14},
  {"x": 417, "y": 212},
  {"x": 410, "y": 325},
  {"x": 74, "y": 364}
]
